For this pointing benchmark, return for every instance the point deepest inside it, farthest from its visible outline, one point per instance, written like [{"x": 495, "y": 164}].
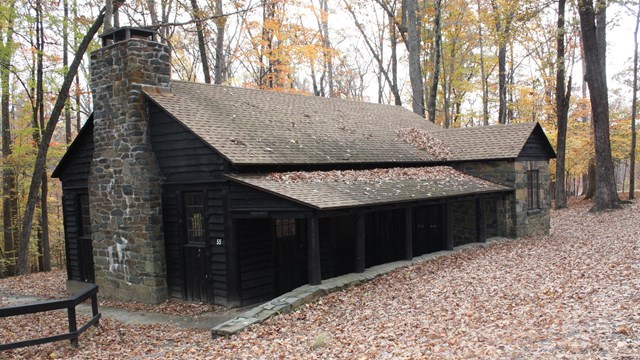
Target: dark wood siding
[
  {"x": 174, "y": 239},
  {"x": 181, "y": 156},
  {"x": 337, "y": 245},
  {"x": 384, "y": 236},
  {"x": 78, "y": 164},
  {"x": 216, "y": 234},
  {"x": 534, "y": 149},
  {"x": 245, "y": 198},
  {"x": 256, "y": 259},
  {"x": 70, "y": 218}
]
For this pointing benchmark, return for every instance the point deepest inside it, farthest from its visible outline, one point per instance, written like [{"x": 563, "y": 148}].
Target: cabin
[{"x": 233, "y": 196}]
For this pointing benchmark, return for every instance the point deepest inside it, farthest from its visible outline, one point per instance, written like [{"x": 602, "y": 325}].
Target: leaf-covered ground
[{"x": 573, "y": 294}]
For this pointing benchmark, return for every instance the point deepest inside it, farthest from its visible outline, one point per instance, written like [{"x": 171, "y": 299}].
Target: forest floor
[{"x": 572, "y": 294}]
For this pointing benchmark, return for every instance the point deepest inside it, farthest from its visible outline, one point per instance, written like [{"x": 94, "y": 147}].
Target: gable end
[{"x": 537, "y": 146}]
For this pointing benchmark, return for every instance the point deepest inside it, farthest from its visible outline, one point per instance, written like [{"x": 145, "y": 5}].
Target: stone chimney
[{"x": 125, "y": 181}]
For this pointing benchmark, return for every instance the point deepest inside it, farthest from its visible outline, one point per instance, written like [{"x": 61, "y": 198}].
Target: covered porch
[{"x": 336, "y": 232}]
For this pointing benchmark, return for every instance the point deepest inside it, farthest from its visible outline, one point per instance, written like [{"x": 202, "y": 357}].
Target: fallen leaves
[
  {"x": 423, "y": 140},
  {"x": 436, "y": 174},
  {"x": 572, "y": 294}
]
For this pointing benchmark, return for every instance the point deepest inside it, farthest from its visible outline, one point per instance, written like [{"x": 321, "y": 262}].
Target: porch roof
[{"x": 326, "y": 190}]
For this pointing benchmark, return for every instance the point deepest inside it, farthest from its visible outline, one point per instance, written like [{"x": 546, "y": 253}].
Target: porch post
[
  {"x": 481, "y": 230},
  {"x": 313, "y": 252},
  {"x": 360, "y": 229},
  {"x": 408, "y": 233},
  {"x": 448, "y": 225}
]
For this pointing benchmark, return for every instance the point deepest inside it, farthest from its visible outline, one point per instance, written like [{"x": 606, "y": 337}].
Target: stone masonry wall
[
  {"x": 464, "y": 219},
  {"x": 513, "y": 217},
  {"x": 125, "y": 182}
]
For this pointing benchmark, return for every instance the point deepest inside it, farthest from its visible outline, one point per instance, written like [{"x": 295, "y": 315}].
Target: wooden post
[
  {"x": 448, "y": 226},
  {"x": 360, "y": 236},
  {"x": 73, "y": 326},
  {"x": 481, "y": 229},
  {"x": 408, "y": 233},
  {"x": 313, "y": 252}
]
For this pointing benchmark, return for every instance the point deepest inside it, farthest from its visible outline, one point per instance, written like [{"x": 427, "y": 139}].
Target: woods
[{"x": 457, "y": 63}]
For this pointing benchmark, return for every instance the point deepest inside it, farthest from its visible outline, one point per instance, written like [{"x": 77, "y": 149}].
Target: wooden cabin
[{"x": 233, "y": 196}]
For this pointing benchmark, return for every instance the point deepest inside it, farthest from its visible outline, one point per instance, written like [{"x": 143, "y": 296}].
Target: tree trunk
[
  {"x": 219, "y": 67},
  {"x": 634, "y": 109},
  {"x": 65, "y": 64},
  {"x": 562, "y": 110},
  {"x": 393, "y": 35},
  {"x": 77, "y": 85},
  {"x": 9, "y": 191},
  {"x": 414, "y": 47},
  {"x": 202, "y": 47},
  {"x": 38, "y": 125},
  {"x": 483, "y": 74},
  {"x": 433, "y": 91},
  {"x": 503, "y": 26},
  {"x": 606, "y": 196},
  {"x": 326, "y": 44},
  {"x": 27, "y": 220}
]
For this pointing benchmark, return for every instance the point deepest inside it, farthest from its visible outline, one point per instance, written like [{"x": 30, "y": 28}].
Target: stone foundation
[{"x": 125, "y": 182}]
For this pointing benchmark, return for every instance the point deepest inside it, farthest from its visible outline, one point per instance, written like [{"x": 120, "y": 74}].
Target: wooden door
[
  {"x": 85, "y": 247},
  {"x": 435, "y": 228},
  {"x": 420, "y": 231},
  {"x": 197, "y": 279},
  {"x": 428, "y": 229},
  {"x": 290, "y": 256}
]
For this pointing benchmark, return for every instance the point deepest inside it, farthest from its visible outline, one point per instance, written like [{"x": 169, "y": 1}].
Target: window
[
  {"x": 85, "y": 219},
  {"x": 285, "y": 228},
  {"x": 194, "y": 213},
  {"x": 533, "y": 189}
]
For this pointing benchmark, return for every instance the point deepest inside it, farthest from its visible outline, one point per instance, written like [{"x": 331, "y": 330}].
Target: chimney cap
[{"x": 126, "y": 33}]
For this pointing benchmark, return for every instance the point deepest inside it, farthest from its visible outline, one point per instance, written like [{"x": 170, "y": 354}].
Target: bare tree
[
  {"x": 391, "y": 79},
  {"x": 204, "y": 59},
  {"x": 27, "y": 219}
]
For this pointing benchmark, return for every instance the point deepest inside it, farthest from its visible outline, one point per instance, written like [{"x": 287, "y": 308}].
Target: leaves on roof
[
  {"x": 432, "y": 174},
  {"x": 423, "y": 140}
]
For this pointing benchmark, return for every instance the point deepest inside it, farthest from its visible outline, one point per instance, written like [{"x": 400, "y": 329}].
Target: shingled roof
[
  {"x": 491, "y": 142},
  {"x": 250, "y": 126},
  {"x": 326, "y": 190}
]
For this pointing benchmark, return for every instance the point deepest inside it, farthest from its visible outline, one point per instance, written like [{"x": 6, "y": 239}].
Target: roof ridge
[{"x": 301, "y": 95}]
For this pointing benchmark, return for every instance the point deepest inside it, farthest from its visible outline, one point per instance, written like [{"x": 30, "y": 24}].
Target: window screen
[
  {"x": 194, "y": 213},
  {"x": 285, "y": 228}
]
